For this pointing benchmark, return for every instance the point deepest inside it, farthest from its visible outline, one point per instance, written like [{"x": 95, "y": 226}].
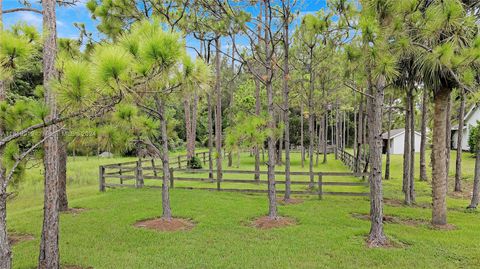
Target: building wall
[
  {"x": 397, "y": 143},
  {"x": 469, "y": 124}
]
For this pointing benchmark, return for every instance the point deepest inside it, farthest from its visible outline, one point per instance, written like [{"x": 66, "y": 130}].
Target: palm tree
[{"x": 446, "y": 33}]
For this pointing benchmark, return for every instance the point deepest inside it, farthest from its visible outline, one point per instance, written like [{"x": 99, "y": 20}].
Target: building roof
[{"x": 395, "y": 132}]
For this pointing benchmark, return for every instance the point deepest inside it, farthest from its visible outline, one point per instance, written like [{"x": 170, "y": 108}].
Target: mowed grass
[{"x": 326, "y": 236}]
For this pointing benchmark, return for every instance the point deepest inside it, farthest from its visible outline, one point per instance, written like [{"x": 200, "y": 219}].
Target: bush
[
  {"x": 474, "y": 137},
  {"x": 194, "y": 163}
]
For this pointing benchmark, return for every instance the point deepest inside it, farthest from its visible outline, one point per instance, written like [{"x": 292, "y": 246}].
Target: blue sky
[{"x": 67, "y": 16}]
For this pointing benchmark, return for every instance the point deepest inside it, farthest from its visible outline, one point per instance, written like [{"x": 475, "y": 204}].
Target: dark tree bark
[
  {"x": 302, "y": 147},
  {"x": 406, "y": 150},
  {"x": 49, "y": 253},
  {"x": 439, "y": 170},
  {"x": 423, "y": 141},
  {"x": 389, "y": 127},
  {"x": 166, "y": 210},
  {"x": 448, "y": 137},
  {"x": 411, "y": 184},
  {"x": 210, "y": 137},
  {"x": 5, "y": 249},
  {"x": 188, "y": 126},
  {"x": 218, "y": 114},
  {"x": 476, "y": 183},
  {"x": 458, "y": 163},
  {"x": 272, "y": 195},
  {"x": 257, "y": 113},
  {"x": 375, "y": 105},
  {"x": 62, "y": 175},
  {"x": 286, "y": 92}
]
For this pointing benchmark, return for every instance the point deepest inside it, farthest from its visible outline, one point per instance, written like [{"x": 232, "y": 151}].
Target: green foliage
[
  {"x": 474, "y": 138},
  {"x": 194, "y": 163}
]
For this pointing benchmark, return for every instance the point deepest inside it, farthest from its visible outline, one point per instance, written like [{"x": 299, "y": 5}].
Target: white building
[
  {"x": 397, "y": 141},
  {"x": 470, "y": 121}
]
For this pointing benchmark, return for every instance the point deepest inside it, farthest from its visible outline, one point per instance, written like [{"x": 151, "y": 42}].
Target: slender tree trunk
[
  {"x": 389, "y": 127},
  {"x": 167, "y": 211},
  {"x": 5, "y": 250},
  {"x": 257, "y": 113},
  {"x": 286, "y": 105},
  {"x": 458, "y": 163},
  {"x": 280, "y": 141},
  {"x": 311, "y": 119},
  {"x": 218, "y": 114},
  {"x": 3, "y": 86},
  {"x": 194, "y": 121},
  {"x": 448, "y": 137},
  {"x": 476, "y": 183},
  {"x": 62, "y": 175},
  {"x": 49, "y": 253},
  {"x": 412, "y": 148},
  {"x": 360, "y": 135},
  {"x": 188, "y": 126},
  {"x": 355, "y": 133},
  {"x": 337, "y": 131},
  {"x": 439, "y": 170},
  {"x": 406, "y": 150},
  {"x": 210, "y": 137},
  {"x": 325, "y": 134},
  {"x": 319, "y": 142},
  {"x": 423, "y": 141},
  {"x": 272, "y": 195},
  {"x": 376, "y": 236},
  {"x": 302, "y": 147}
]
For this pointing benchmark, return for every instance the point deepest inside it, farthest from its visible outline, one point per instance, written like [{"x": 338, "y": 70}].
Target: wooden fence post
[
  {"x": 101, "y": 178},
  {"x": 138, "y": 175},
  {"x": 179, "y": 162},
  {"x": 153, "y": 167},
  {"x": 320, "y": 186},
  {"x": 172, "y": 178},
  {"x": 120, "y": 173},
  {"x": 204, "y": 158}
]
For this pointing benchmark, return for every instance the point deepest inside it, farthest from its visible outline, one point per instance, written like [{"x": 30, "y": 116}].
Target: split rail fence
[{"x": 149, "y": 173}]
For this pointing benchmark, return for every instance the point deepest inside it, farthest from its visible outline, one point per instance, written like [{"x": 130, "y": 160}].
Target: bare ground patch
[
  {"x": 166, "y": 225},
  {"x": 16, "y": 238},
  {"x": 74, "y": 210},
  {"x": 266, "y": 222},
  {"x": 394, "y": 220},
  {"x": 445, "y": 227}
]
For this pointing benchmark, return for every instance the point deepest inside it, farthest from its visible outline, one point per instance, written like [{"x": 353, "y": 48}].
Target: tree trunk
[
  {"x": 311, "y": 121},
  {"x": 210, "y": 137},
  {"x": 411, "y": 180},
  {"x": 188, "y": 126},
  {"x": 389, "y": 127},
  {"x": 406, "y": 150},
  {"x": 5, "y": 250},
  {"x": 218, "y": 114},
  {"x": 439, "y": 170},
  {"x": 376, "y": 236},
  {"x": 62, "y": 175},
  {"x": 286, "y": 105},
  {"x": 337, "y": 131},
  {"x": 257, "y": 113},
  {"x": 360, "y": 135},
  {"x": 272, "y": 195},
  {"x": 448, "y": 137},
  {"x": 3, "y": 86},
  {"x": 325, "y": 134},
  {"x": 167, "y": 211},
  {"x": 302, "y": 147},
  {"x": 49, "y": 253},
  {"x": 319, "y": 142},
  {"x": 280, "y": 141},
  {"x": 476, "y": 182},
  {"x": 423, "y": 141},
  {"x": 458, "y": 163}
]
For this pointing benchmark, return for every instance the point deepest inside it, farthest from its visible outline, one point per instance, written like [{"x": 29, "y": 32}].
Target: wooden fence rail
[{"x": 142, "y": 170}]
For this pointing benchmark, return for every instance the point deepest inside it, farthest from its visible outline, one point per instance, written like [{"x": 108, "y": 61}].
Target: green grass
[{"x": 326, "y": 235}]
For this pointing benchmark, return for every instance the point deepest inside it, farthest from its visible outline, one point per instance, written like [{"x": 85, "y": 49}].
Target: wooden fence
[
  {"x": 350, "y": 161},
  {"x": 134, "y": 174}
]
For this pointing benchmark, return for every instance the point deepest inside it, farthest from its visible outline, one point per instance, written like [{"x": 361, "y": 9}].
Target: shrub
[
  {"x": 473, "y": 138},
  {"x": 194, "y": 163}
]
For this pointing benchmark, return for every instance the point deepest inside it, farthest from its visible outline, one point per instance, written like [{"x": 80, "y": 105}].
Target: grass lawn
[{"x": 326, "y": 236}]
